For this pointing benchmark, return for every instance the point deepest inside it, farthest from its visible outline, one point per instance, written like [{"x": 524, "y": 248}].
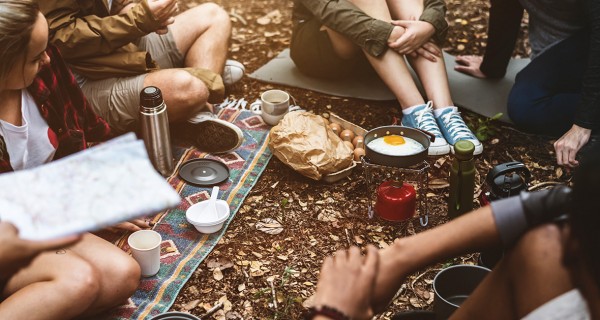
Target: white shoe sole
[{"x": 438, "y": 150}]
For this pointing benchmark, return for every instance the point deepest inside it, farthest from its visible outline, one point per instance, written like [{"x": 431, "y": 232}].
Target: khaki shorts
[{"x": 117, "y": 99}]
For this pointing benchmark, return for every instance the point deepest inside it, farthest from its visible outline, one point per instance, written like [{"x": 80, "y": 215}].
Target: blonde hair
[{"x": 17, "y": 18}]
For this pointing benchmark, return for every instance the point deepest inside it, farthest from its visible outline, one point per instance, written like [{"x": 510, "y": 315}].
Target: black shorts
[{"x": 313, "y": 54}]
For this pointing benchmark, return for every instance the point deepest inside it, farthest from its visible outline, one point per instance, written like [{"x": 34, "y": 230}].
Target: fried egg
[{"x": 395, "y": 145}]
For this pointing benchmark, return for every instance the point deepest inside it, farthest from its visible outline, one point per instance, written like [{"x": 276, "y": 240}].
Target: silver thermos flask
[{"x": 155, "y": 129}]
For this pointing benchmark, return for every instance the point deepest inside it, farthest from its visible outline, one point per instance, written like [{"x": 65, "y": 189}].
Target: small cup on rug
[
  {"x": 272, "y": 106},
  {"x": 145, "y": 249}
]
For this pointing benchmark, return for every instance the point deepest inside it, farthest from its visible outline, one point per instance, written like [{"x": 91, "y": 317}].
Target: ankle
[{"x": 438, "y": 111}]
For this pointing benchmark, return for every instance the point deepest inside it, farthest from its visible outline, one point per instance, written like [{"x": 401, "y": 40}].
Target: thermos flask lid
[
  {"x": 464, "y": 149},
  {"x": 151, "y": 97}
]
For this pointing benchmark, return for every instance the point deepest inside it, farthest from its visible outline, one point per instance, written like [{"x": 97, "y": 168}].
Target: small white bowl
[{"x": 203, "y": 220}]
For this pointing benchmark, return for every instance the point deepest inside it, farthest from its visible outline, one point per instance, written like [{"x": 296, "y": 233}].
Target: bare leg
[
  {"x": 527, "y": 277},
  {"x": 434, "y": 79},
  {"x": 468, "y": 233},
  {"x": 390, "y": 66},
  {"x": 67, "y": 284},
  {"x": 183, "y": 93},
  {"x": 518, "y": 284},
  {"x": 405, "y": 9},
  {"x": 432, "y": 74},
  {"x": 118, "y": 272},
  {"x": 202, "y": 34}
]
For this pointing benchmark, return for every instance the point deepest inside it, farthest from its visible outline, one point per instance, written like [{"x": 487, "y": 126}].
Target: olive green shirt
[{"x": 369, "y": 33}]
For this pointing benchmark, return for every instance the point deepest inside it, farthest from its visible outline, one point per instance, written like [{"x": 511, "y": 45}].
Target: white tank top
[{"x": 31, "y": 144}]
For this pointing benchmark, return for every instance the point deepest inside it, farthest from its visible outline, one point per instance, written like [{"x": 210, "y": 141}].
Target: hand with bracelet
[{"x": 345, "y": 286}]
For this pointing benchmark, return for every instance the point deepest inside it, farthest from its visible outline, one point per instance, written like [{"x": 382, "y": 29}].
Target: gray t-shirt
[{"x": 551, "y": 21}]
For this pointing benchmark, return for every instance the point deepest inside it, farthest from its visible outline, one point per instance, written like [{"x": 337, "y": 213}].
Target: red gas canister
[{"x": 396, "y": 201}]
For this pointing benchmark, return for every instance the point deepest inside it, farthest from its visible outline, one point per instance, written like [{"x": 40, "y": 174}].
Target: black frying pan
[{"x": 422, "y": 137}]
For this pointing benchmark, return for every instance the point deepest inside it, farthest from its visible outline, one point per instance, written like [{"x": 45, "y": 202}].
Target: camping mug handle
[{"x": 256, "y": 107}]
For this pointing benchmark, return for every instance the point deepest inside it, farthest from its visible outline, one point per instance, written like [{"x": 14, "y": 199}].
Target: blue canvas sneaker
[
  {"x": 422, "y": 118},
  {"x": 453, "y": 128}
]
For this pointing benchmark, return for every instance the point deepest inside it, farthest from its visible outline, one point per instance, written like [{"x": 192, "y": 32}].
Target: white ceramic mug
[
  {"x": 273, "y": 106},
  {"x": 145, "y": 249}
]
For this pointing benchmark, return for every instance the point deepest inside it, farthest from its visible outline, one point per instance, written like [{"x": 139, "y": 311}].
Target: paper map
[{"x": 95, "y": 188}]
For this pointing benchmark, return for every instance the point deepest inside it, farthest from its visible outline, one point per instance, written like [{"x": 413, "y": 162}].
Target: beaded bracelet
[{"x": 329, "y": 312}]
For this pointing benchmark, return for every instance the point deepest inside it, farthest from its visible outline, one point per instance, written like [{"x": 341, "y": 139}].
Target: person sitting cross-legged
[
  {"x": 44, "y": 116},
  {"x": 116, "y": 48}
]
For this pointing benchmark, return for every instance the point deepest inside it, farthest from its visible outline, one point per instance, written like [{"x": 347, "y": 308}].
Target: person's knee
[
  {"x": 216, "y": 14},
  {"x": 540, "y": 244},
  {"x": 520, "y": 108},
  {"x": 365, "y": 3},
  {"x": 81, "y": 284},
  {"x": 188, "y": 91},
  {"x": 126, "y": 275}
]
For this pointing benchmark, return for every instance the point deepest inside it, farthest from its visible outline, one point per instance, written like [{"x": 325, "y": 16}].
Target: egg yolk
[{"x": 394, "y": 140}]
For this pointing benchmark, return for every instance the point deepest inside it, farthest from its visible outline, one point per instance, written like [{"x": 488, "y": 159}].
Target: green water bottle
[{"x": 462, "y": 179}]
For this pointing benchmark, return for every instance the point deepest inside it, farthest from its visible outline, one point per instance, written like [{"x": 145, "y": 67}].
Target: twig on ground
[
  {"x": 412, "y": 283},
  {"x": 237, "y": 16},
  {"x": 348, "y": 238},
  {"x": 544, "y": 184},
  {"x": 212, "y": 310},
  {"x": 274, "y": 296}
]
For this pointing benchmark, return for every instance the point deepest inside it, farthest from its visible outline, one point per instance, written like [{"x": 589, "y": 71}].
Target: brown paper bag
[{"x": 304, "y": 142}]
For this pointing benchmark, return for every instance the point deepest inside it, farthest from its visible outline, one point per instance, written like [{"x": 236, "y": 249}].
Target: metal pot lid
[{"x": 204, "y": 172}]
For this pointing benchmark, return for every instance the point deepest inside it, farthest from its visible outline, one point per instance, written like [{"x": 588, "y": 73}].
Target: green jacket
[
  {"x": 95, "y": 43},
  {"x": 368, "y": 33}
]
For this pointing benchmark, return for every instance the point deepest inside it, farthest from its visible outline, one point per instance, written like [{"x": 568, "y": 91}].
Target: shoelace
[
  {"x": 202, "y": 116},
  {"x": 456, "y": 126},
  {"x": 240, "y": 104},
  {"x": 426, "y": 121}
]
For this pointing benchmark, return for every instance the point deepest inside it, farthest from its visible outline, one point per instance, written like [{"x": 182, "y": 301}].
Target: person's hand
[
  {"x": 428, "y": 51},
  {"x": 416, "y": 34},
  {"x": 133, "y": 225},
  {"x": 470, "y": 65},
  {"x": 164, "y": 11},
  {"x": 16, "y": 253},
  {"x": 346, "y": 282},
  {"x": 569, "y": 144}
]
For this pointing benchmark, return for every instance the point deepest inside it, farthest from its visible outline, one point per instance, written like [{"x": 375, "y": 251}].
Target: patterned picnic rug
[{"x": 183, "y": 247}]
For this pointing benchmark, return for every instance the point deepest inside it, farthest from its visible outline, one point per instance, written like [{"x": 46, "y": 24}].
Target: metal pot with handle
[{"x": 505, "y": 180}]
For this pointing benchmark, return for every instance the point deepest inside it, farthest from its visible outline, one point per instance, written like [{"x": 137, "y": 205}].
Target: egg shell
[
  {"x": 349, "y": 144},
  {"x": 336, "y": 128},
  {"x": 359, "y": 141},
  {"x": 347, "y": 135},
  {"x": 358, "y": 153}
]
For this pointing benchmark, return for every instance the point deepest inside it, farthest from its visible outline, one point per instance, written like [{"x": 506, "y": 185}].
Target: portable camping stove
[{"x": 417, "y": 175}]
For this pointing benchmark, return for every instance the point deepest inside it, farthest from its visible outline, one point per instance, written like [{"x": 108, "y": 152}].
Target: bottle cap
[
  {"x": 151, "y": 97},
  {"x": 463, "y": 149}
]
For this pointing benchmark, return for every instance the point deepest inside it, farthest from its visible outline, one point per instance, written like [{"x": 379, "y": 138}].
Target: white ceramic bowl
[{"x": 204, "y": 220}]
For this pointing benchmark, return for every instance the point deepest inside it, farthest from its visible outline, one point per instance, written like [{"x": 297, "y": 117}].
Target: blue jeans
[{"x": 547, "y": 91}]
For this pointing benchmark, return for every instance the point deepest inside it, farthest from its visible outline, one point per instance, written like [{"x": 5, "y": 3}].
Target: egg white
[{"x": 409, "y": 147}]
